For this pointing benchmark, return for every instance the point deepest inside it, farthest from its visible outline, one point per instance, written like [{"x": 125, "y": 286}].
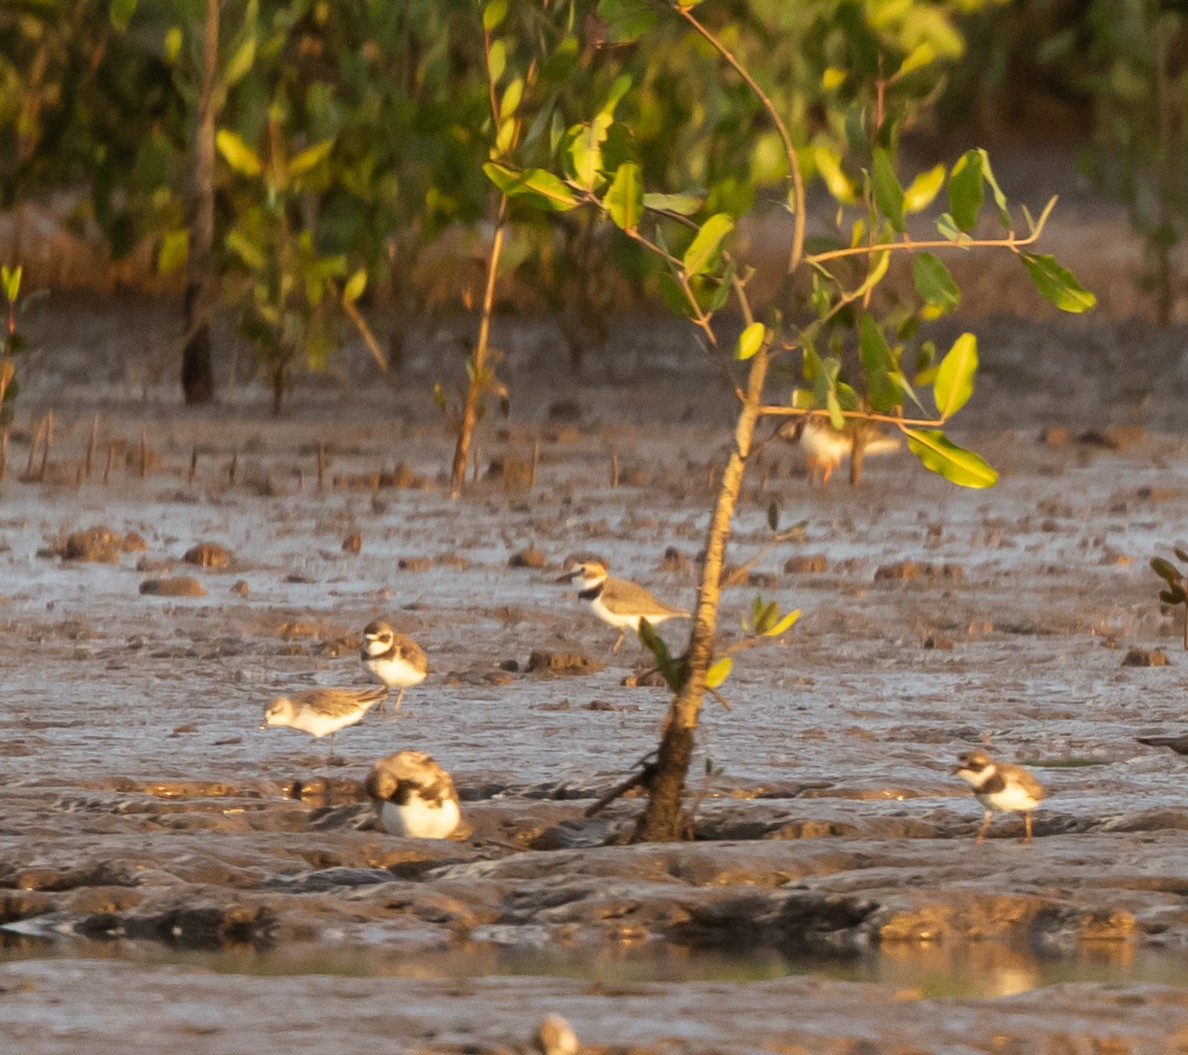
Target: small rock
[
  {"x": 907, "y": 570},
  {"x": 1056, "y": 436},
  {"x": 208, "y": 555},
  {"x": 178, "y": 586},
  {"x": 352, "y": 543},
  {"x": 675, "y": 560},
  {"x": 651, "y": 679},
  {"x": 565, "y": 410},
  {"x": 513, "y": 472},
  {"x": 1140, "y": 657},
  {"x": 414, "y": 564},
  {"x": 451, "y": 560},
  {"x": 936, "y": 641},
  {"x": 806, "y": 564},
  {"x": 529, "y": 557},
  {"x": 562, "y": 663},
  {"x": 298, "y": 579},
  {"x": 240, "y": 587}
]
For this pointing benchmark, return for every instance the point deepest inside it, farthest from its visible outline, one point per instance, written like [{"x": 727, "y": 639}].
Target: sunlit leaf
[
  {"x": 957, "y": 465},
  {"x": 1058, "y": 284},
  {"x": 828, "y": 164},
  {"x": 923, "y": 54},
  {"x": 954, "y": 382},
  {"x": 240, "y": 63},
  {"x": 1000, "y": 200},
  {"x": 783, "y": 625},
  {"x": 173, "y": 251},
  {"x": 718, "y": 672},
  {"x": 1165, "y": 569},
  {"x": 538, "y": 186},
  {"x": 244, "y": 248},
  {"x": 121, "y": 13},
  {"x": 703, "y": 250},
  {"x": 921, "y": 192},
  {"x": 355, "y": 286},
  {"x": 173, "y": 43},
  {"x": 625, "y": 197},
  {"x": 965, "y": 190},
  {"x": 309, "y": 158},
  {"x": 833, "y": 77},
  {"x": 750, "y": 341},
  {"x": 511, "y": 98},
  {"x": 493, "y": 14},
  {"x": 585, "y": 150},
  {"x": 237, "y": 153},
  {"x": 627, "y": 20},
  {"x": 10, "y": 281}
]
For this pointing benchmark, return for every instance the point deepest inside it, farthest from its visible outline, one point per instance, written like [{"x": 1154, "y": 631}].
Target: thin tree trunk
[
  {"x": 197, "y": 377},
  {"x": 662, "y": 819},
  {"x": 478, "y": 361}
]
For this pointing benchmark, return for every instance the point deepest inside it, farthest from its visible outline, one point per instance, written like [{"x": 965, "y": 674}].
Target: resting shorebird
[
  {"x": 825, "y": 448},
  {"x": 322, "y": 711},
  {"x": 1000, "y": 786},
  {"x": 620, "y": 602},
  {"x": 413, "y": 796},
  {"x": 395, "y": 659}
]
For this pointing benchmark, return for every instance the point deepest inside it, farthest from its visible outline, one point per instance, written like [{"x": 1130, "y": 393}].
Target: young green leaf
[
  {"x": 625, "y": 198},
  {"x": 1000, "y": 201},
  {"x": 750, "y": 341},
  {"x": 954, "y": 382},
  {"x": 703, "y": 250},
  {"x": 965, "y": 190},
  {"x": 355, "y": 286},
  {"x": 934, "y": 283},
  {"x": 872, "y": 345},
  {"x": 10, "y": 280},
  {"x": 1058, "y": 284},
  {"x": 175, "y": 247},
  {"x": 955, "y": 464},
  {"x": 627, "y": 20},
  {"x": 681, "y": 204},
  {"x": 494, "y": 13},
  {"x": 773, "y": 515},
  {"x": 309, "y": 158},
  {"x": 539, "y": 187},
  {"x": 718, "y": 672},
  {"x": 888, "y": 193},
  {"x": 240, "y": 63}
]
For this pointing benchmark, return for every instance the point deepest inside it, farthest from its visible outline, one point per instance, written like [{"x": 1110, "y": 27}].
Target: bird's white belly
[
  {"x": 398, "y": 673},
  {"x": 1010, "y": 798},
  {"x": 616, "y": 618},
  {"x": 417, "y": 819}
]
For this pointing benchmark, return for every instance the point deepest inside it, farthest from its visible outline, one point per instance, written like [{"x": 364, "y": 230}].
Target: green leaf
[
  {"x": 625, "y": 197},
  {"x": 174, "y": 248},
  {"x": 1000, "y": 200},
  {"x": 832, "y": 404},
  {"x": 965, "y": 190},
  {"x": 1173, "y": 596},
  {"x": 511, "y": 98},
  {"x": 872, "y": 345},
  {"x": 703, "y": 250},
  {"x": 1058, "y": 284},
  {"x": 627, "y": 20},
  {"x": 585, "y": 151},
  {"x": 240, "y": 62},
  {"x": 1181, "y": 554},
  {"x": 954, "y": 382},
  {"x": 773, "y": 515},
  {"x": 718, "y": 672},
  {"x": 888, "y": 193},
  {"x": 682, "y": 204},
  {"x": 1165, "y": 570},
  {"x": 750, "y": 341},
  {"x": 237, "y": 153},
  {"x": 934, "y": 283},
  {"x": 923, "y": 54},
  {"x": 10, "y": 280},
  {"x": 538, "y": 186},
  {"x": 121, "y": 13},
  {"x": 957, "y": 465},
  {"x": 494, "y": 13},
  {"x": 247, "y": 250},
  {"x": 355, "y": 286},
  {"x": 829, "y": 167},
  {"x": 309, "y": 158},
  {"x": 496, "y": 61}
]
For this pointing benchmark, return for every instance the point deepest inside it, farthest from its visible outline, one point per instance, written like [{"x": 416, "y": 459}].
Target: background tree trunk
[{"x": 197, "y": 377}]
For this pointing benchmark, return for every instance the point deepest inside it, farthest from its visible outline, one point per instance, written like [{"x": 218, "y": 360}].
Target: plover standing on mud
[
  {"x": 322, "y": 711},
  {"x": 619, "y": 602},
  {"x": 395, "y": 659},
  {"x": 414, "y": 796},
  {"x": 825, "y": 447},
  {"x": 1000, "y": 786}
]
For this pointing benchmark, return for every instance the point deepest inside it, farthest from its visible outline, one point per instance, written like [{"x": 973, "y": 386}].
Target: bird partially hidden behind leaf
[{"x": 825, "y": 447}]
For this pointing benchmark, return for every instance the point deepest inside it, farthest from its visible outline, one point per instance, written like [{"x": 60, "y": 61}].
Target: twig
[
  {"x": 49, "y": 441},
  {"x": 38, "y": 433},
  {"x": 91, "y": 441},
  {"x": 643, "y": 776}
]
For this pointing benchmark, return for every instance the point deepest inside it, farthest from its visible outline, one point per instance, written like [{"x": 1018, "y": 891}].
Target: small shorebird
[
  {"x": 1000, "y": 786},
  {"x": 413, "y": 796},
  {"x": 620, "y": 602},
  {"x": 395, "y": 659},
  {"x": 825, "y": 448},
  {"x": 322, "y": 711}
]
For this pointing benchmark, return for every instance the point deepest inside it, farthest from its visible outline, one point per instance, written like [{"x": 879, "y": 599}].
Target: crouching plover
[
  {"x": 1000, "y": 786},
  {"x": 413, "y": 796},
  {"x": 620, "y": 602},
  {"x": 322, "y": 711},
  {"x": 825, "y": 447},
  {"x": 395, "y": 659}
]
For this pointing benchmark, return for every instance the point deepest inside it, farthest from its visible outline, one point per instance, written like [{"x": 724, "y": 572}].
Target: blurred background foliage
[{"x": 389, "y": 100}]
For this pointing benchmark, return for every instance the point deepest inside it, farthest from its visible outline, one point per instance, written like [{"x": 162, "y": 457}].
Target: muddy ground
[{"x": 172, "y": 877}]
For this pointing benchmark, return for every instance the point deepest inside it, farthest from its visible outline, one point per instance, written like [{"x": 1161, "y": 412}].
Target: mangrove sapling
[
  {"x": 1174, "y": 591},
  {"x": 832, "y": 320}
]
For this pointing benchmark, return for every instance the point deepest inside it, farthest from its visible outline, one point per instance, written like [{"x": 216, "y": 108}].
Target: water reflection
[{"x": 984, "y": 969}]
